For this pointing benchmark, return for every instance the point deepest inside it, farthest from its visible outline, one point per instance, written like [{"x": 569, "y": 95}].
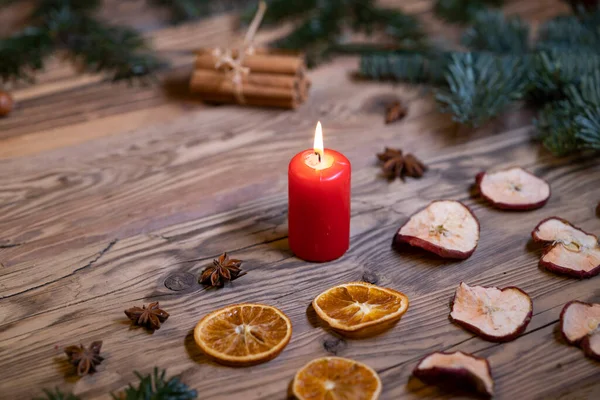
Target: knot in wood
[{"x": 179, "y": 281}]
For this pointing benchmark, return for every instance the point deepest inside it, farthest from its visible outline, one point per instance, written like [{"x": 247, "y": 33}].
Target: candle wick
[{"x": 318, "y": 156}]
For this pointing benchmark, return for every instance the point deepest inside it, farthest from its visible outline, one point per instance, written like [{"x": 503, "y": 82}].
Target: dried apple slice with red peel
[
  {"x": 571, "y": 251},
  {"x": 497, "y": 315},
  {"x": 445, "y": 227},
  {"x": 580, "y": 325},
  {"x": 513, "y": 189},
  {"x": 457, "y": 369},
  {"x": 591, "y": 345}
]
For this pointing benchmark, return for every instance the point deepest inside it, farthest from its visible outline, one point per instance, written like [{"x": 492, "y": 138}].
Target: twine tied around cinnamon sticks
[
  {"x": 249, "y": 76},
  {"x": 225, "y": 57}
]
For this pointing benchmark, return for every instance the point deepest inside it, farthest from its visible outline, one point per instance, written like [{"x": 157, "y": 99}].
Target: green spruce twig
[
  {"x": 492, "y": 31},
  {"x": 559, "y": 74},
  {"x": 480, "y": 86},
  {"x": 56, "y": 394},
  {"x": 462, "y": 11},
  {"x": 407, "y": 67},
  {"x": 71, "y": 25},
  {"x": 574, "y": 123},
  {"x": 571, "y": 32},
  {"x": 184, "y": 10},
  {"x": 322, "y": 27},
  {"x": 156, "y": 386}
]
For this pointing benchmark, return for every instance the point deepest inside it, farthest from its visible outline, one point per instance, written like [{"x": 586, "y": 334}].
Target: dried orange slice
[
  {"x": 243, "y": 334},
  {"x": 336, "y": 378},
  {"x": 360, "y": 309}
]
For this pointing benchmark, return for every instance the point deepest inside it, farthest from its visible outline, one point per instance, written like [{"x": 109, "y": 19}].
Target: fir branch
[
  {"x": 117, "y": 50},
  {"x": 184, "y": 10},
  {"x": 556, "y": 128},
  {"x": 155, "y": 386},
  {"x": 480, "y": 86},
  {"x": 181, "y": 10},
  {"x": 462, "y": 11},
  {"x": 23, "y": 53},
  {"x": 406, "y": 67},
  {"x": 402, "y": 27},
  {"x": 492, "y": 31},
  {"x": 315, "y": 36},
  {"x": 551, "y": 72},
  {"x": 71, "y": 25},
  {"x": 571, "y": 32},
  {"x": 573, "y": 124},
  {"x": 282, "y": 10},
  {"x": 57, "y": 395},
  {"x": 325, "y": 23}
]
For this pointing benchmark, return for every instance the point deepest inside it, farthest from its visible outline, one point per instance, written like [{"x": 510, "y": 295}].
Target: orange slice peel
[
  {"x": 243, "y": 334},
  {"x": 360, "y": 309},
  {"x": 336, "y": 378}
]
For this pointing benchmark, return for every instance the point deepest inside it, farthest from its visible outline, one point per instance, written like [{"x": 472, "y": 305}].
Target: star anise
[
  {"x": 149, "y": 316},
  {"x": 223, "y": 269},
  {"x": 396, "y": 164},
  {"x": 395, "y": 112},
  {"x": 85, "y": 359}
]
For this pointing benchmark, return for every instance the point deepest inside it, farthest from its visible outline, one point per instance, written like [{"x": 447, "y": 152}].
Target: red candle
[{"x": 319, "y": 203}]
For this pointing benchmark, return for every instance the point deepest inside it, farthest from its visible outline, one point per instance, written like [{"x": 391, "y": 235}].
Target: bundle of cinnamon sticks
[{"x": 268, "y": 79}]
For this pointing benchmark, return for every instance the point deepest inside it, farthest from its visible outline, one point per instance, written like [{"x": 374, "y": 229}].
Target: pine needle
[
  {"x": 480, "y": 86},
  {"x": 492, "y": 31},
  {"x": 156, "y": 386},
  {"x": 322, "y": 26},
  {"x": 56, "y": 394}
]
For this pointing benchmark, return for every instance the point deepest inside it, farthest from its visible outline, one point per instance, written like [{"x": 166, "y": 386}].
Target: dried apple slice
[
  {"x": 445, "y": 227},
  {"x": 513, "y": 189},
  {"x": 458, "y": 369},
  {"x": 571, "y": 251},
  {"x": 497, "y": 315},
  {"x": 591, "y": 345},
  {"x": 580, "y": 325}
]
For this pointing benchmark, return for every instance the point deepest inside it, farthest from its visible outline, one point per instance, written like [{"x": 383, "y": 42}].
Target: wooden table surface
[{"x": 108, "y": 190}]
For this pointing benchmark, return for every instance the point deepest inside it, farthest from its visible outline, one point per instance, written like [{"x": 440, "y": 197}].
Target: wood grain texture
[{"x": 106, "y": 191}]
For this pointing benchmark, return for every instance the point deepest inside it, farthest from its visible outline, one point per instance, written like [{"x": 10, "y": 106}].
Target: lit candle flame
[{"x": 318, "y": 145}]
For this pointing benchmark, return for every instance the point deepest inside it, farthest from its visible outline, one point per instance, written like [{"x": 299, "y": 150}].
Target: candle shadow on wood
[{"x": 270, "y": 231}]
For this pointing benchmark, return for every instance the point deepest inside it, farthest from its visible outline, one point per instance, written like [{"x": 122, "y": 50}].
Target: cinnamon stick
[
  {"x": 208, "y": 82},
  {"x": 210, "y": 76},
  {"x": 260, "y": 61}
]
